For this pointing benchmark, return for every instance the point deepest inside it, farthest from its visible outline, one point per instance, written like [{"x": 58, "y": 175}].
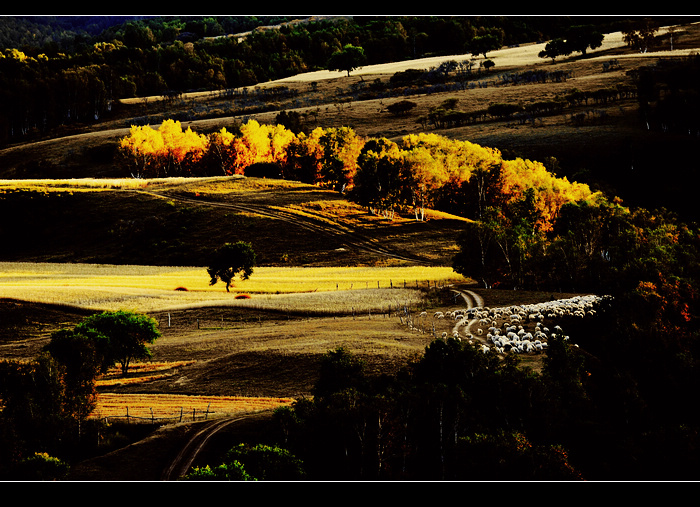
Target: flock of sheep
[{"x": 510, "y": 329}]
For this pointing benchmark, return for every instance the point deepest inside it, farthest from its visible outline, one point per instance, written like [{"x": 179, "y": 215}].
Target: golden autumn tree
[
  {"x": 167, "y": 151},
  {"x": 424, "y": 175},
  {"x": 304, "y": 158},
  {"x": 181, "y": 150},
  {"x": 140, "y": 150},
  {"x": 466, "y": 171},
  {"x": 550, "y": 192},
  {"x": 341, "y": 148},
  {"x": 258, "y": 144},
  {"x": 280, "y": 140}
]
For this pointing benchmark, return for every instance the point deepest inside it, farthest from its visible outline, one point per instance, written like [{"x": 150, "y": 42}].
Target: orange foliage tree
[
  {"x": 304, "y": 158},
  {"x": 258, "y": 144},
  {"x": 551, "y": 193}
]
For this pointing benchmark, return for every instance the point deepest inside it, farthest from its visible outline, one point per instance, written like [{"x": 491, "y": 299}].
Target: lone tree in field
[
  {"x": 229, "y": 260},
  {"x": 348, "y": 59},
  {"x": 127, "y": 335}
]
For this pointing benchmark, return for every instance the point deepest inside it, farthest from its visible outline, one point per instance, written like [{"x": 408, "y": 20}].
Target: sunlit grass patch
[
  {"x": 154, "y": 288},
  {"x": 175, "y": 407},
  {"x": 102, "y": 183},
  {"x": 139, "y": 373}
]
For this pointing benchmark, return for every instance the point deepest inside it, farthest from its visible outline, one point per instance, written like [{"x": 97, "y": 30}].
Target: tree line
[{"x": 419, "y": 172}]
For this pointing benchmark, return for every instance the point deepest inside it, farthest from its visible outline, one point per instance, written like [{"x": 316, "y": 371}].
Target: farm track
[
  {"x": 348, "y": 236},
  {"x": 473, "y": 300},
  {"x": 183, "y": 461}
]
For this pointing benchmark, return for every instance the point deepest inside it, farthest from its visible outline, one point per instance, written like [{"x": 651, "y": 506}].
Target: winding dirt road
[{"x": 473, "y": 300}]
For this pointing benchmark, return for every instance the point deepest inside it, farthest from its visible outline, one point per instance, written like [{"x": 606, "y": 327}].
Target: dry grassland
[
  {"x": 178, "y": 407},
  {"x": 154, "y": 288}
]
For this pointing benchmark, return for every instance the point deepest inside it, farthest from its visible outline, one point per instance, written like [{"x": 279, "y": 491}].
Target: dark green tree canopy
[
  {"x": 230, "y": 260},
  {"x": 482, "y": 44},
  {"x": 128, "y": 334},
  {"x": 576, "y": 39},
  {"x": 348, "y": 59}
]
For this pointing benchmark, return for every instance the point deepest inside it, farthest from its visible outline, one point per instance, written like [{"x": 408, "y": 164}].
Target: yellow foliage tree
[
  {"x": 551, "y": 193},
  {"x": 341, "y": 149},
  {"x": 259, "y": 144},
  {"x": 163, "y": 152},
  {"x": 219, "y": 149},
  {"x": 180, "y": 150},
  {"x": 140, "y": 150}
]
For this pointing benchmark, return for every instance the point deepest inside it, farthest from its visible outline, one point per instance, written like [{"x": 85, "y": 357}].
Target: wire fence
[{"x": 193, "y": 415}]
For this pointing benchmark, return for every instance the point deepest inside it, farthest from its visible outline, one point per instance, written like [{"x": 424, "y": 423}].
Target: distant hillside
[{"x": 57, "y": 71}]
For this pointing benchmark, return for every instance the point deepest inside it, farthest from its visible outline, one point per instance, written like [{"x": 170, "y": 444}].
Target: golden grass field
[
  {"x": 153, "y": 288},
  {"x": 169, "y": 407},
  {"x": 149, "y": 289},
  {"x": 179, "y": 407}
]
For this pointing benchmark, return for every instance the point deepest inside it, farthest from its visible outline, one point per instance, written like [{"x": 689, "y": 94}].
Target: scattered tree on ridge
[
  {"x": 641, "y": 35},
  {"x": 347, "y": 59}
]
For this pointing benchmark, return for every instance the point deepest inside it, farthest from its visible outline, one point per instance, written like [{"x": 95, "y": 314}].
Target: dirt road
[{"x": 183, "y": 461}]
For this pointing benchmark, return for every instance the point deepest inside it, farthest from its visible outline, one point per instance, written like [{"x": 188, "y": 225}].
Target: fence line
[{"x": 154, "y": 419}]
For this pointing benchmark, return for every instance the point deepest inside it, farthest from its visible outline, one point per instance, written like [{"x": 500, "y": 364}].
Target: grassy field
[
  {"x": 179, "y": 408},
  {"x": 157, "y": 288}
]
